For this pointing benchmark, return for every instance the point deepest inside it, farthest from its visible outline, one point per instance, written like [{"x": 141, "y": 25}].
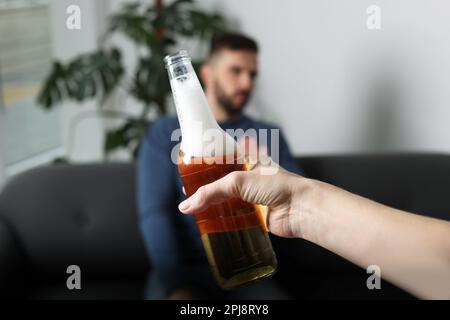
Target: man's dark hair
[{"x": 232, "y": 41}]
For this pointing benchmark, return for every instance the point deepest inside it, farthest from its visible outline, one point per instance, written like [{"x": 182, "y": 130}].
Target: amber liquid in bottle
[{"x": 233, "y": 232}]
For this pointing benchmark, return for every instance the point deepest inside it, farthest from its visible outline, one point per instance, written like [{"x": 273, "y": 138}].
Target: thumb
[{"x": 213, "y": 193}]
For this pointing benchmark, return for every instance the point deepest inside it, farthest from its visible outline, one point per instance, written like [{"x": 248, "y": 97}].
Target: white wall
[
  {"x": 82, "y": 139},
  {"x": 83, "y": 131},
  {"x": 2, "y": 169},
  {"x": 335, "y": 86}
]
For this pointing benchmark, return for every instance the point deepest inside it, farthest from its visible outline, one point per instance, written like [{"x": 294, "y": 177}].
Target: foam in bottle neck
[{"x": 201, "y": 135}]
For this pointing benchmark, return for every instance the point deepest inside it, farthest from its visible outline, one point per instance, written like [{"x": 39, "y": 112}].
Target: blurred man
[{"x": 179, "y": 265}]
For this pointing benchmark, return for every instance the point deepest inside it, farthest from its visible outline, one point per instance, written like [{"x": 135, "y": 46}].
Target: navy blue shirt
[{"x": 171, "y": 238}]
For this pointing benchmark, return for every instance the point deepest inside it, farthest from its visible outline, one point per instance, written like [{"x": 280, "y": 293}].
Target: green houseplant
[{"x": 155, "y": 28}]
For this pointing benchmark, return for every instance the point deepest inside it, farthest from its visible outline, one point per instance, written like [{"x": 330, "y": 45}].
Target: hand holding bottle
[
  {"x": 279, "y": 192},
  {"x": 412, "y": 251}
]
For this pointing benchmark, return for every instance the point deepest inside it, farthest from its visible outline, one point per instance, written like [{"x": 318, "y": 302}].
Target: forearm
[{"x": 412, "y": 251}]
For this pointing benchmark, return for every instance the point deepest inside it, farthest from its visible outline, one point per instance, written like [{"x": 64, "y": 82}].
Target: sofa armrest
[{"x": 12, "y": 273}]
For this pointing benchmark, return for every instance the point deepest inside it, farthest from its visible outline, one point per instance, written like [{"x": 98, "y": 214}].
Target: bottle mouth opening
[{"x": 176, "y": 57}]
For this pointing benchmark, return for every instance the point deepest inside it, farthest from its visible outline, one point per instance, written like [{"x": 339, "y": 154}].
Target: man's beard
[{"x": 226, "y": 101}]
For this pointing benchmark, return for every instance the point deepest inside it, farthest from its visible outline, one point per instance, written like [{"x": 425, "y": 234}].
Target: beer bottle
[{"x": 233, "y": 232}]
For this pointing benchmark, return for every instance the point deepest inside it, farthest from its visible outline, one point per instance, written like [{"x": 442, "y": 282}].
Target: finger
[{"x": 215, "y": 192}]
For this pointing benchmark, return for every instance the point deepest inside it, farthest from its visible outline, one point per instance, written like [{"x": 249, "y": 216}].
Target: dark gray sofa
[{"x": 55, "y": 216}]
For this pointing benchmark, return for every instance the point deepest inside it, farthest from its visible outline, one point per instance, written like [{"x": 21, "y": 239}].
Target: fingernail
[{"x": 184, "y": 206}]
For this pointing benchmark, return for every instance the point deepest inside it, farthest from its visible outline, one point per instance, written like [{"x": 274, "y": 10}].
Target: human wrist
[{"x": 308, "y": 196}]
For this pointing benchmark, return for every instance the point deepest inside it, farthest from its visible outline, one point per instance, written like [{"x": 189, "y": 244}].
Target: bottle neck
[
  {"x": 190, "y": 100},
  {"x": 201, "y": 134}
]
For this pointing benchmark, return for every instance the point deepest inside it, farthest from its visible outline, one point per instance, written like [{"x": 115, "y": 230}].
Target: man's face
[{"x": 232, "y": 77}]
